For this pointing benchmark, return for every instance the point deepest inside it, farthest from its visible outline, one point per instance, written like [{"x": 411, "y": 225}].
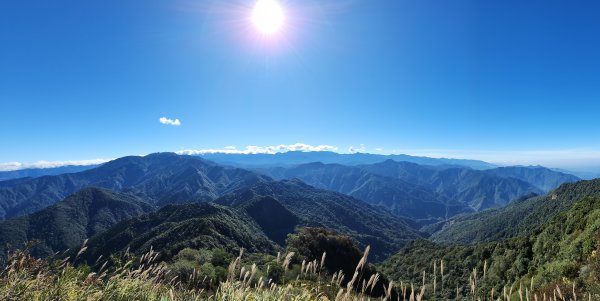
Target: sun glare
[{"x": 268, "y": 16}]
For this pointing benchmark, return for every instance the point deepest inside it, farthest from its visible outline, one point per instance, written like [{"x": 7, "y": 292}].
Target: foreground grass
[{"x": 28, "y": 278}]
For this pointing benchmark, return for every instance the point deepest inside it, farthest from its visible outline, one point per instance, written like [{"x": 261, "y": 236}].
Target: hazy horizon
[{"x": 581, "y": 161}]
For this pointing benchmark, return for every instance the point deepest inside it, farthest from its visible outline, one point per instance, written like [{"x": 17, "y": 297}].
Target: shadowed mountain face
[
  {"x": 175, "y": 227},
  {"x": 272, "y": 217},
  {"x": 314, "y": 207},
  {"x": 400, "y": 197},
  {"x": 67, "y": 223},
  {"x": 522, "y": 217},
  {"x": 159, "y": 178}
]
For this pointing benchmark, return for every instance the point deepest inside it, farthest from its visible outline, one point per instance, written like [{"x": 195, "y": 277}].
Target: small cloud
[
  {"x": 253, "y": 149},
  {"x": 167, "y": 121},
  {"x": 360, "y": 149}
]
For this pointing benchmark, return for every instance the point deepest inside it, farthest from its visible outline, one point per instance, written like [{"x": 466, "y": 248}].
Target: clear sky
[{"x": 494, "y": 80}]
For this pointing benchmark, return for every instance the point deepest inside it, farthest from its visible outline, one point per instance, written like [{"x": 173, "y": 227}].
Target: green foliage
[
  {"x": 341, "y": 254},
  {"x": 522, "y": 217},
  {"x": 564, "y": 250},
  {"x": 67, "y": 223},
  {"x": 177, "y": 227}
]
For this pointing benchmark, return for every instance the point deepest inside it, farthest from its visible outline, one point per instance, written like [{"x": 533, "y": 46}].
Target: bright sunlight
[{"x": 268, "y": 16}]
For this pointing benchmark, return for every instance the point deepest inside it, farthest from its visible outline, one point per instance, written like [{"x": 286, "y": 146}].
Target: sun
[{"x": 268, "y": 16}]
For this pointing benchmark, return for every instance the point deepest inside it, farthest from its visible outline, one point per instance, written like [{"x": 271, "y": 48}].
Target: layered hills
[{"x": 159, "y": 179}]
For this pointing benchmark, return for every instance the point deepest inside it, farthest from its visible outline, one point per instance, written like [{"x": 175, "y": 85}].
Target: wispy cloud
[
  {"x": 253, "y": 149},
  {"x": 360, "y": 149},
  {"x": 167, "y": 121},
  {"x": 10, "y": 166}
]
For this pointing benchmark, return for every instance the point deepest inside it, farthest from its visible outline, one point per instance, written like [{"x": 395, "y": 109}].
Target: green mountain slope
[
  {"x": 519, "y": 218},
  {"x": 175, "y": 227},
  {"x": 67, "y": 223},
  {"x": 563, "y": 251},
  {"x": 367, "y": 224}
]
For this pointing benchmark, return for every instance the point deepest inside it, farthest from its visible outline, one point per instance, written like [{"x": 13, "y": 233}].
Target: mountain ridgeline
[
  {"x": 159, "y": 179},
  {"x": 293, "y": 158}
]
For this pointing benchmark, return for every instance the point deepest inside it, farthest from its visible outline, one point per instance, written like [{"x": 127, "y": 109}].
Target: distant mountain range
[
  {"x": 297, "y": 157},
  {"x": 38, "y": 172},
  {"x": 425, "y": 192},
  {"x": 401, "y": 197}
]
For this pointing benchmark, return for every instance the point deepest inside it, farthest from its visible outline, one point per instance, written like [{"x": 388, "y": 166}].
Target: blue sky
[{"x": 504, "y": 81}]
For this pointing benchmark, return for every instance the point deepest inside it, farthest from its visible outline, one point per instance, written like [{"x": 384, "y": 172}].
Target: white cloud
[
  {"x": 230, "y": 147},
  {"x": 167, "y": 121},
  {"x": 10, "y": 166},
  {"x": 253, "y": 149},
  {"x": 360, "y": 149}
]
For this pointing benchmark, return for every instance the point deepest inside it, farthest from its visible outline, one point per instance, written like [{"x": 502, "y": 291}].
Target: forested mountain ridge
[
  {"x": 67, "y": 223},
  {"x": 175, "y": 227},
  {"x": 519, "y": 218},
  {"x": 163, "y": 178},
  {"x": 564, "y": 250},
  {"x": 367, "y": 224}
]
